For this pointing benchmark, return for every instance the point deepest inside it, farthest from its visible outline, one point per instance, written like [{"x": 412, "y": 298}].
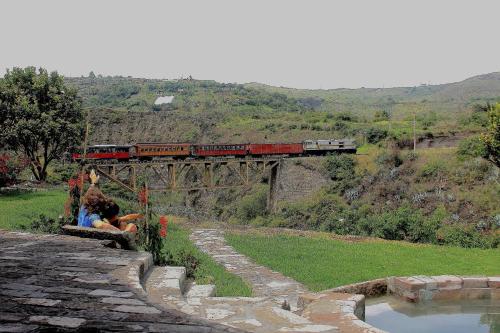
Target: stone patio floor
[{"x": 52, "y": 283}]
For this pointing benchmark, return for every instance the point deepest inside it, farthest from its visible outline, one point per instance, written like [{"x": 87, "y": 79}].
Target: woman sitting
[{"x": 99, "y": 212}]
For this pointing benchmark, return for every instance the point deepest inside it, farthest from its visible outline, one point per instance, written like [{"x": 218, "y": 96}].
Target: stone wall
[{"x": 444, "y": 287}]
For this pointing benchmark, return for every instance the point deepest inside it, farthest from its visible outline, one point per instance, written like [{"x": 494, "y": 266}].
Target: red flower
[
  {"x": 164, "y": 224},
  {"x": 143, "y": 196}
]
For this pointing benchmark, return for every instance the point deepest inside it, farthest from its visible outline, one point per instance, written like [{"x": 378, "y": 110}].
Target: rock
[
  {"x": 110, "y": 293},
  {"x": 205, "y": 290},
  {"x": 137, "y": 309},
  {"x": 38, "y": 301},
  {"x": 475, "y": 282},
  {"x": 124, "y": 301},
  {"x": 69, "y": 322}
]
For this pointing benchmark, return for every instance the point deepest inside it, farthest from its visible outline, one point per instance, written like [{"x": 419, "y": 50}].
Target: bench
[{"x": 124, "y": 238}]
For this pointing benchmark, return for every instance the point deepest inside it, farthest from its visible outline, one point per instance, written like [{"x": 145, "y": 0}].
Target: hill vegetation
[
  {"x": 122, "y": 110},
  {"x": 445, "y": 193}
]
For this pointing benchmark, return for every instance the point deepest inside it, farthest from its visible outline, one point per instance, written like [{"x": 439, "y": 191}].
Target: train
[{"x": 158, "y": 151}]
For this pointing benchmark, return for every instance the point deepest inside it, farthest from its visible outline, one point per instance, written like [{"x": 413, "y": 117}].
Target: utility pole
[{"x": 414, "y": 132}]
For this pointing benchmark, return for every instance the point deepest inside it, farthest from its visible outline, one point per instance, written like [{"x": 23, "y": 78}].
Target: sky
[{"x": 300, "y": 44}]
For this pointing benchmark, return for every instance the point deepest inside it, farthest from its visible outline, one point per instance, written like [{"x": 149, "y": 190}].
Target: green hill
[
  {"x": 442, "y": 194},
  {"x": 122, "y": 110}
]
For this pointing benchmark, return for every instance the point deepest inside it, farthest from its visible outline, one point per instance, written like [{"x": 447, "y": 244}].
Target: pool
[{"x": 395, "y": 315}]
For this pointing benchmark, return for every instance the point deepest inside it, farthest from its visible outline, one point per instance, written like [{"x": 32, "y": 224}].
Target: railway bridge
[{"x": 193, "y": 174}]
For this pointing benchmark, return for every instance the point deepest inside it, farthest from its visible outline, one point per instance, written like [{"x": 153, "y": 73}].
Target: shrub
[
  {"x": 390, "y": 158},
  {"x": 465, "y": 236},
  {"x": 341, "y": 169},
  {"x": 46, "y": 224},
  {"x": 10, "y": 168},
  {"x": 344, "y": 116},
  {"x": 375, "y": 135},
  {"x": 154, "y": 243},
  {"x": 251, "y": 206},
  {"x": 434, "y": 169},
  {"x": 404, "y": 223},
  {"x": 382, "y": 115},
  {"x": 472, "y": 147}
]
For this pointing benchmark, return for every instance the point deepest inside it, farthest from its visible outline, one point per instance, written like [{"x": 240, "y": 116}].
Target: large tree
[
  {"x": 491, "y": 138},
  {"x": 40, "y": 117}
]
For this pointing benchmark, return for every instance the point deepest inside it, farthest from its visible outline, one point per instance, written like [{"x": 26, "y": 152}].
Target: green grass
[
  {"x": 19, "y": 209},
  {"x": 183, "y": 252},
  {"x": 322, "y": 263}
]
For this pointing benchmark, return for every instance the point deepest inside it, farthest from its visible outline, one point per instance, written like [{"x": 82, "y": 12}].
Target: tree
[
  {"x": 39, "y": 116},
  {"x": 491, "y": 137}
]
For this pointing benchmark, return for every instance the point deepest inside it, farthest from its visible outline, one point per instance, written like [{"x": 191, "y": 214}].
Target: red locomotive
[{"x": 155, "y": 151}]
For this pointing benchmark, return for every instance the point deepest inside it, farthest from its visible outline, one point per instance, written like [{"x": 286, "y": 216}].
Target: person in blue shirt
[
  {"x": 99, "y": 212},
  {"x": 94, "y": 203}
]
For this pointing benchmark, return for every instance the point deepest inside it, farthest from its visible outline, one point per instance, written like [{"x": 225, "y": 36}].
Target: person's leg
[{"x": 131, "y": 228}]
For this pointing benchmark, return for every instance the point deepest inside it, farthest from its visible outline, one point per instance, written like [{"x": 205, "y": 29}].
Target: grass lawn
[
  {"x": 183, "y": 252},
  {"x": 21, "y": 208},
  {"x": 322, "y": 263}
]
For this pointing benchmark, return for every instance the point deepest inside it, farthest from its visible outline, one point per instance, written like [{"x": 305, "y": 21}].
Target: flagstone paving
[
  {"x": 52, "y": 283},
  {"x": 262, "y": 313}
]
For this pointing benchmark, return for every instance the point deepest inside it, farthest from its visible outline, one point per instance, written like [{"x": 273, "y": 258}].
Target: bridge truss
[{"x": 193, "y": 175}]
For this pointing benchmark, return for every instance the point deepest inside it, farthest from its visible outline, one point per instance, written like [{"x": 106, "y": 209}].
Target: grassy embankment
[
  {"x": 19, "y": 209},
  {"x": 182, "y": 250},
  {"x": 322, "y": 263}
]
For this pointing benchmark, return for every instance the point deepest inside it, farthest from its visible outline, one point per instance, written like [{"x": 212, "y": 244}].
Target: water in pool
[{"x": 398, "y": 316}]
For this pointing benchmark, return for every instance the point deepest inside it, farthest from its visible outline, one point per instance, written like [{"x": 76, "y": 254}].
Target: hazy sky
[{"x": 302, "y": 44}]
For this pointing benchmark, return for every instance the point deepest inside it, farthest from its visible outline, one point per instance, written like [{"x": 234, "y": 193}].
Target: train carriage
[
  {"x": 149, "y": 151},
  {"x": 213, "y": 150},
  {"x": 260, "y": 149},
  {"x": 104, "y": 152}
]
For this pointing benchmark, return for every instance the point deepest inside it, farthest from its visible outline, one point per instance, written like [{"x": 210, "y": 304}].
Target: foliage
[
  {"x": 466, "y": 236},
  {"x": 472, "y": 147},
  {"x": 381, "y": 115},
  {"x": 46, "y": 224},
  {"x": 154, "y": 243},
  {"x": 321, "y": 262},
  {"x": 252, "y": 206},
  {"x": 491, "y": 138},
  {"x": 375, "y": 135},
  {"x": 341, "y": 169},
  {"x": 180, "y": 251},
  {"x": 390, "y": 158},
  {"x": 39, "y": 116},
  {"x": 405, "y": 223},
  {"x": 434, "y": 170},
  {"x": 10, "y": 168}
]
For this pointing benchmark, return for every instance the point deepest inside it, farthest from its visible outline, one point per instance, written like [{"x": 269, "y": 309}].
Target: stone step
[
  {"x": 167, "y": 280},
  {"x": 175, "y": 279},
  {"x": 201, "y": 290}
]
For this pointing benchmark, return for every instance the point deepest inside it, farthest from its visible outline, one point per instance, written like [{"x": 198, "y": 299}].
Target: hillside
[
  {"x": 121, "y": 110},
  {"x": 443, "y": 194}
]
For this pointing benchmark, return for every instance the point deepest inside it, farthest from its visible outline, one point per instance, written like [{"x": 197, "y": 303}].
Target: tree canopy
[{"x": 39, "y": 116}]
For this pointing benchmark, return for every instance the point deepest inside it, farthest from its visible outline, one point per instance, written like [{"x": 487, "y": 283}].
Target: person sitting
[
  {"x": 110, "y": 215},
  {"x": 93, "y": 204},
  {"x": 99, "y": 212}
]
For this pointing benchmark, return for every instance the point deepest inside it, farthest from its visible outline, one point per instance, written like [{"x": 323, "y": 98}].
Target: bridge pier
[{"x": 274, "y": 173}]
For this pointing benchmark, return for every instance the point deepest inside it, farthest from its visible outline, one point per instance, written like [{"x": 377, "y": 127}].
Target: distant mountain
[{"x": 459, "y": 95}]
